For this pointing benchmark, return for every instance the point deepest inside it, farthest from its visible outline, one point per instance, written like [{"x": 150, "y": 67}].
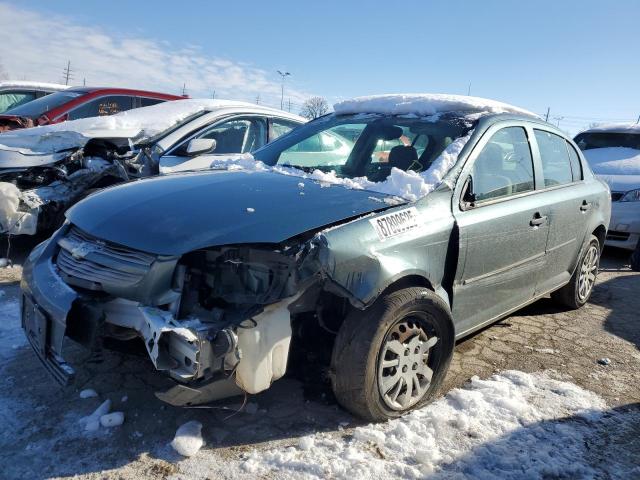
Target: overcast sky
[{"x": 578, "y": 57}]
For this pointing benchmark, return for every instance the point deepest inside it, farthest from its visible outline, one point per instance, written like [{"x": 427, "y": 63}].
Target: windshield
[
  {"x": 42, "y": 105},
  {"x": 365, "y": 145},
  {"x": 10, "y": 100},
  {"x": 590, "y": 140}
]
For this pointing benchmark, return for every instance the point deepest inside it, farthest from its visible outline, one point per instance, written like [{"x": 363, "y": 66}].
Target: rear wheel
[
  {"x": 392, "y": 357},
  {"x": 577, "y": 292}
]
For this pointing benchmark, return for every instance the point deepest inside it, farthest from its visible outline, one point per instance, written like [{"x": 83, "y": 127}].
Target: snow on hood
[
  {"x": 423, "y": 104},
  {"x": 27, "y": 84},
  {"x": 616, "y": 128},
  {"x": 613, "y": 160},
  {"x": 138, "y": 124},
  {"x": 618, "y": 166},
  {"x": 407, "y": 185}
]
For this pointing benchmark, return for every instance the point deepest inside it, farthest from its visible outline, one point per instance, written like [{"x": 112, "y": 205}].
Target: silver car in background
[{"x": 613, "y": 152}]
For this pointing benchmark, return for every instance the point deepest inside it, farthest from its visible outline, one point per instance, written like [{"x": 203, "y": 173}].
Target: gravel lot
[{"x": 41, "y": 437}]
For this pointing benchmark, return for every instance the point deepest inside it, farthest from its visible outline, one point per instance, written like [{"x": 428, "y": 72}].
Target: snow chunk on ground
[
  {"x": 113, "y": 419},
  {"x": 91, "y": 422},
  {"x": 509, "y": 426},
  {"x": 423, "y": 104},
  {"x": 614, "y": 160},
  {"x": 188, "y": 439},
  {"x": 88, "y": 393}
]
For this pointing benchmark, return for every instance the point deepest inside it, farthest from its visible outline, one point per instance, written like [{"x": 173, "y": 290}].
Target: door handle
[
  {"x": 585, "y": 206},
  {"x": 538, "y": 220}
]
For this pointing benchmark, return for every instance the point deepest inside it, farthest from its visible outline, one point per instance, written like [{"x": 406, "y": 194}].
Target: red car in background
[{"x": 81, "y": 102}]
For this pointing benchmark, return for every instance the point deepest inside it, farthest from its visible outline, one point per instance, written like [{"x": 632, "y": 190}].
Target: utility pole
[
  {"x": 67, "y": 73},
  {"x": 558, "y": 119},
  {"x": 84, "y": 82},
  {"x": 289, "y": 104},
  {"x": 258, "y": 99},
  {"x": 638, "y": 120},
  {"x": 213, "y": 95},
  {"x": 184, "y": 89},
  {"x": 283, "y": 75},
  {"x": 546, "y": 118},
  {"x": 469, "y": 90}
]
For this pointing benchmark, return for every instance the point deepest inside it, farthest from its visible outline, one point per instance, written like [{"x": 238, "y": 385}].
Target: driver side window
[
  {"x": 241, "y": 135},
  {"x": 504, "y": 167}
]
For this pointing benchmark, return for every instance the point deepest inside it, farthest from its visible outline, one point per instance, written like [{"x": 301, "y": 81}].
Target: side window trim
[{"x": 538, "y": 161}]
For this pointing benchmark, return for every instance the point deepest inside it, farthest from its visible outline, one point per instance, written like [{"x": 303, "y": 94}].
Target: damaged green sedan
[{"x": 367, "y": 241}]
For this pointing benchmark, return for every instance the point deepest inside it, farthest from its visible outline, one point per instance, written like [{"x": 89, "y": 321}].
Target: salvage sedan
[
  {"x": 45, "y": 170},
  {"x": 370, "y": 265}
]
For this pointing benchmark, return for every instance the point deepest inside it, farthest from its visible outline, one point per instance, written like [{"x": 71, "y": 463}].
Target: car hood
[
  {"x": 621, "y": 183},
  {"x": 180, "y": 213}
]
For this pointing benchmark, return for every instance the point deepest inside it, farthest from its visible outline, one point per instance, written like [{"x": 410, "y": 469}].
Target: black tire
[
  {"x": 356, "y": 354},
  {"x": 570, "y": 295},
  {"x": 635, "y": 258}
]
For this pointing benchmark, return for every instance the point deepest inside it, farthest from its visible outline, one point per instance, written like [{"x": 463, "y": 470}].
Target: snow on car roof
[
  {"x": 616, "y": 128},
  {"x": 137, "y": 124},
  {"x": 27, "y": 84},
  {"x": 423, "y": 104}
]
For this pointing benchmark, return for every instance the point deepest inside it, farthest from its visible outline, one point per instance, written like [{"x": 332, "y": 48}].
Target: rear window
[
  {"x": 42, "y": 105},
  {"x": 590, "y": 140},
  {"x": 556, "y": 166}
]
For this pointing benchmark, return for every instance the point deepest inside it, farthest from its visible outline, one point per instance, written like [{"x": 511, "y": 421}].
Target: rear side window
[
  {"x": 102, "y": 106},
  {"x": 504, "y": 167},
  {"x": 147, "y": 102},
  {"x": 556, "y": 167},
  {"x": 576, "y": 166}
]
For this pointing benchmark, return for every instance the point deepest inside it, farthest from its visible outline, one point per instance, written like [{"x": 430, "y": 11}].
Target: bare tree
[{"x": 314, "y": 107}]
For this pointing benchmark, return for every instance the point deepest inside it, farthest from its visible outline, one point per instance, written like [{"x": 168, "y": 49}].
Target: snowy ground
[{"x": 502, "y": 423}]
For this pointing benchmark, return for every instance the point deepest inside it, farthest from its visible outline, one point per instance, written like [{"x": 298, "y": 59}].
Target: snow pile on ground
[
  {"x": 188, "y": 439},
  {"x": 138, "y": 124},
  {"x": 88, "y": 393},
  {"x": 408, "y": 185},
  {"x": 423, "y": 104},
  {"x": 614, "y": 160},
  {"x": 509, "y": 427}
]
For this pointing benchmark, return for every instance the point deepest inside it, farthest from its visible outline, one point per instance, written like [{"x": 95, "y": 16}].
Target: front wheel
[
  {"x": 392, "y": 357},
  {"x": 577, "y": 292}
]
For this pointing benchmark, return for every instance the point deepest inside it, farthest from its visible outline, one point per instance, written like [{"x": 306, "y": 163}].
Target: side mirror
[
  {"x": 200, "y": 146},
  {"x": 468, "y": 198}
]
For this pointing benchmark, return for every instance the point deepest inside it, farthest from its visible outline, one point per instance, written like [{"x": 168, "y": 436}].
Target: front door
[{"x": 503, "y": 232}]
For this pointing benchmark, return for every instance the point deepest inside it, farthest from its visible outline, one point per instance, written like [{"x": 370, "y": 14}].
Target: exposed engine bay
[
  {"x": 219, "y": 321},
  {"x": 33, "y": 199}
]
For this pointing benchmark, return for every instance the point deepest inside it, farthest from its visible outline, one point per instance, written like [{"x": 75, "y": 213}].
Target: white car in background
[
  {"x": 16, "y": 93},
  {"x": 613, "y": 152},
  {"x": 44, "y": 170}
]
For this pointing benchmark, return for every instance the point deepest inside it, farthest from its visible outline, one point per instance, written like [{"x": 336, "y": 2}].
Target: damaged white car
[
  {"x": 370, "y": 264},
  {"x": 45, "y": 170}
]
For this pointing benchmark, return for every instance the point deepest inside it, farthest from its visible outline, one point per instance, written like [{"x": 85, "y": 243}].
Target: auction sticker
[{"x": 396, "y": 223}]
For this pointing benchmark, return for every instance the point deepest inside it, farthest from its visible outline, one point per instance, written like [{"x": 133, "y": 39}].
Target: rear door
[
  {"x": 502, "y": 229},
  {"x": 569, "y": 202}
]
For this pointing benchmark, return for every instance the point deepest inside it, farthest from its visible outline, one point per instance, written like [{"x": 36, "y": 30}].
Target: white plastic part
[
  {"x": 264, "y": 348},
  {"x": 12, "y": 220}
]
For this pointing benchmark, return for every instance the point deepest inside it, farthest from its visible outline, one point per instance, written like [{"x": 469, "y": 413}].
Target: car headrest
[{"x": 402, "y": 157}]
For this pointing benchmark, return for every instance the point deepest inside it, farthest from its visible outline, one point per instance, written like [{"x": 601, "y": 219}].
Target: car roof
[
  {"x": 632, "y": 128},
  {"x": 54, "y": 87},
  {"x": 122, "y": 91}
]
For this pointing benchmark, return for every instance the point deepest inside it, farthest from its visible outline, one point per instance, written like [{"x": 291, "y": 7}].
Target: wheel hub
[
  {"x": 403, "y": 372},
  {"x": 588, "y": 272}
]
